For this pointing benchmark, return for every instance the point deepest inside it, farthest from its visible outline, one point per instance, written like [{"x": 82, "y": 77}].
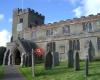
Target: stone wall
[{"x": 62, "y": 40}]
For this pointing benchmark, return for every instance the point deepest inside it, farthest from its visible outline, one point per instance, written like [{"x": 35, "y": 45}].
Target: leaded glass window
[
  {"x": 87, "y": 26},
  {"x": 66, "y": 29},
  {"x": 49, "y": 32}
]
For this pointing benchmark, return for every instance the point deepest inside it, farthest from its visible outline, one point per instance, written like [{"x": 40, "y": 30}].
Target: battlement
[
  {"x": 78, "y": 20},
  {"x": 20, "y": 11}
]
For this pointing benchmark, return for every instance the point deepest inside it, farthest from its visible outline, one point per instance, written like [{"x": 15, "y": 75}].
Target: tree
[{"x": 2, "y": 51}]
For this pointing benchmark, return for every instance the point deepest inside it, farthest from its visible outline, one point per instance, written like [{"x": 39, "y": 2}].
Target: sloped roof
[{"x": 28, "y": 45}]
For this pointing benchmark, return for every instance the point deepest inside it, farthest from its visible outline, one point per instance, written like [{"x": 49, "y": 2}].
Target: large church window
[
  {"x": 90, "y": 26},
  {"x": 78, "y": 45},
  {"x": 70, "y": 45},
  {"x": 49, "y": 32},
  {"x": 66, "y": 29},
  {"x": 51, "y": 46},
  {"x": 74, "y": 45},
  {"x": 87, "y": 26},
  {"x": 84, "y": 26}
]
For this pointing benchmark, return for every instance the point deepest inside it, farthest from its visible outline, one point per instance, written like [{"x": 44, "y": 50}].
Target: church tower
[{"x": 23, "y": 19}]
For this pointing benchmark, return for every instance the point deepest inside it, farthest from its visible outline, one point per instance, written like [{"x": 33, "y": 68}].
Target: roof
[{"x": 28, "y": 45}]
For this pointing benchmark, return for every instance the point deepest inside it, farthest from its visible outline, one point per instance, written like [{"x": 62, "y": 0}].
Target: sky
[{"x": 53, "y": 10}]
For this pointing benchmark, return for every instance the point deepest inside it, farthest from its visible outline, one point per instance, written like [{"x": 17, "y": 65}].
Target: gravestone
[
  {"x": 56, "y": 58},
  {"x": 76, "y": 62},
  {"x": 48, "y": 60},
  {"x": 70, "y": 59},
  {"x": 90, "y": 51},
  {"x": 86, "y": 66}
]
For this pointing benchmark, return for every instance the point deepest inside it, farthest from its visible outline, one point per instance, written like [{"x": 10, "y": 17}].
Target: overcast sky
[{"x": 53, "y": 10}]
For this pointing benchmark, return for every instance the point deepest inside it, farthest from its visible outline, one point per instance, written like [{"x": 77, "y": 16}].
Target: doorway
[{"x": 17, "y": 57}]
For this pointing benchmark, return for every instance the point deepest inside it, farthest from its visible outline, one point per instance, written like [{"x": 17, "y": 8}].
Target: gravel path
[{"x": 12, "y": 73}]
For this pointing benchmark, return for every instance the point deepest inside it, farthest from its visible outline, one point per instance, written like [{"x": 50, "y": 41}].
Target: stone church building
[{"x": 29, "y": 31}]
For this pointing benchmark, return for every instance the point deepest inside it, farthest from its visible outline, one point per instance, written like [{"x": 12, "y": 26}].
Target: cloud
[
  {"x": 72, "y": 1},
  {"x": 10, "y": 20},
  {"x": 91, "y": 6},
  {"x": 1, "y": 17},
  {"x": 77, "y": 11},
  {"x": 4, "y": 37},
  {"x": 88, "y": 7}
]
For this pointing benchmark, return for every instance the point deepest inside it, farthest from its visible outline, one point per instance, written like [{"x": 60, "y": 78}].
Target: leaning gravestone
[
  {"x": 70, "y": 59},
  {"x": 48, "y": 60},
  {"x": 76, "y": 62},
  {"x": 56, "y": 58}
]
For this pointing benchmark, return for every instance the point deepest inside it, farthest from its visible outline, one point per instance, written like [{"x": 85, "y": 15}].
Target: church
[{"x": 29, "y": 31}]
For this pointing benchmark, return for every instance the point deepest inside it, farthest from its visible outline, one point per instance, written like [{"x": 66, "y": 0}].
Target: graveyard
[
  {"x": 50, "y": 40},
  {"x": 62, "y": 72},
  {"x": 37, "y": 49}
]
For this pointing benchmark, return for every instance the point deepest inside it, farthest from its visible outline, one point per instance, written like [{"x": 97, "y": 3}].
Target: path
[{"x": 12, "y": 73}]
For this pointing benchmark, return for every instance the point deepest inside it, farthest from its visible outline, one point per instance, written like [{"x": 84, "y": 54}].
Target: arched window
[
  {"x": 21, "y": 20},
  {"x": 66, "y": 29},
  {"x": 78, "y": 45},
  {"x": 74, "y": 44},
  {"x": 70, "y": 45},
  {"x": 87, "y": 26}
]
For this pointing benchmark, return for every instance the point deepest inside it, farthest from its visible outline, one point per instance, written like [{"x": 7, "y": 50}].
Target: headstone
[
  {"x": 90, "y": 51},
  {"x": 70, "y": 59},
  {"x": 56, "y": 58},
  {"x": 76, "y": 62},
  {"x": 86, "y": 66},
  {"x": 48, "y": 60}
]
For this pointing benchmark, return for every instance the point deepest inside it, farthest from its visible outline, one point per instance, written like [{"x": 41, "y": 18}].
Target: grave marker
[
  {"x": 48, "y": 60},
  {"x": 76, "y": 62},
  {"x": 70, "y": 59}
]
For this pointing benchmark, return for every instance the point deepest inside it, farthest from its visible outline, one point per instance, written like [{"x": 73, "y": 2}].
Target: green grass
[
  {"x": 1, "y": 72},
  {"x": 62, "y": 72}
]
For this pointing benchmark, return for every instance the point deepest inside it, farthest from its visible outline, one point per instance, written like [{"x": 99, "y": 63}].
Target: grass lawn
[
  {"x": 1, "y": 72},
  {"x": 62, "y": 72}
]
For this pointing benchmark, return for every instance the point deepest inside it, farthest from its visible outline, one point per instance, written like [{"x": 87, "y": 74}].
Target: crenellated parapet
[
  {"x": 72, "y": 22},
  {"x": 20, "y": 11},
  {"x": 76, "y": 20}
]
